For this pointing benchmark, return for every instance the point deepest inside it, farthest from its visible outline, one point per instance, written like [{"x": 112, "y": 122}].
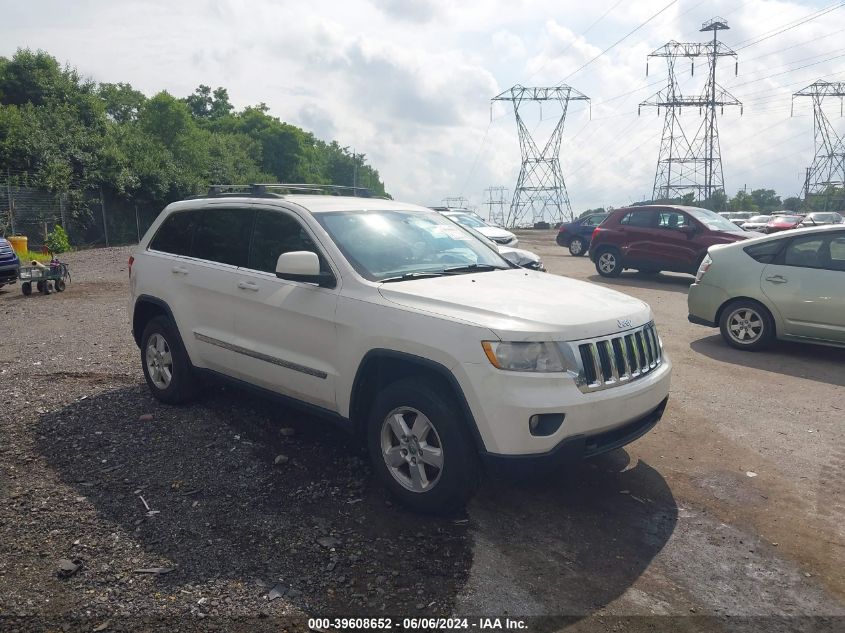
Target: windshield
[
  {"x": 468, "y": 220},
  {"x": 712, "y": 221},
  {"x": 760, "y": 218},
  {"x": 384, "y": 245}
]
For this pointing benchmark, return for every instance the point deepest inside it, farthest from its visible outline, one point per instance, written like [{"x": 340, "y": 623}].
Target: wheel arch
[
  {"x": 147, "y": 308},
  {"x": 382, "y": 367}
]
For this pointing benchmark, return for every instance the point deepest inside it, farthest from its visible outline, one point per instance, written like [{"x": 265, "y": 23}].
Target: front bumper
[
  {"x": 577, "y": 448},
  {"x": 502, "y": 403}
]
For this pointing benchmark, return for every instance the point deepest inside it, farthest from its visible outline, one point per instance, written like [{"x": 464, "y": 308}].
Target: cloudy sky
[{"x": 409, "y": 82}]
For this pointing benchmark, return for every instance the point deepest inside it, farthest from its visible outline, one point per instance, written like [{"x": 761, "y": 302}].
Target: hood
[
  {"x": 523, "y": 305},
  {"x": 518, "y": 256},
  {"x": 494, "y": 232}
]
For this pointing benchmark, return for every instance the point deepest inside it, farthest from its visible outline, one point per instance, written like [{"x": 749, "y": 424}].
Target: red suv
[{"x": 659, "y": 237}]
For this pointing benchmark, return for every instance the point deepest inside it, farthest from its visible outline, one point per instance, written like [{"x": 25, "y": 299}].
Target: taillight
[
  {"x": 595, "y": 232},
  {"x": 131, "y": 261},
  {"x": 703, "y": 268}
]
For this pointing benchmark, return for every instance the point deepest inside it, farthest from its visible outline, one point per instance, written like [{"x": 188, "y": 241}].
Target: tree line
[{"x": 72, "y": 135}]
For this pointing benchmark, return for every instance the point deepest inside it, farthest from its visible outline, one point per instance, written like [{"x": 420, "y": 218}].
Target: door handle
[
  {"x": 248, "y": 285},
  {"x": 179, "y": 270},
  {"x": 777, "y": 279}
]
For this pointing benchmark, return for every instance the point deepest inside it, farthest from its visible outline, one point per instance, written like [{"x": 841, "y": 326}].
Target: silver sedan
[{"x": 788, "y": 286}]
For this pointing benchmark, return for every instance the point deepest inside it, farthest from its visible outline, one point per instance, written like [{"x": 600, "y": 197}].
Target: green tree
[{"x": 766, "y": 200}]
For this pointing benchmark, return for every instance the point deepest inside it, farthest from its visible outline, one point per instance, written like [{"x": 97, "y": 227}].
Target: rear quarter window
[
  {"x": 765, "y": 252},
  {"x": 175, "y": 234},
  {"x": 637, "y": 218}
]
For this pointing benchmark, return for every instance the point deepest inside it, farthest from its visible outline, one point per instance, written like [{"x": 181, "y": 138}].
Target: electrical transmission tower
[
  {"x": 540, "y": 190},
  {"x": 826, "y": 176},
  {"x": 494, "y": 200},
  {"x": 455, "y": 202},
  {"x": 691, "y": 163}
]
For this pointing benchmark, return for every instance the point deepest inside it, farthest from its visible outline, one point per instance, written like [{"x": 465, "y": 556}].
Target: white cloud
[{"x": 409, "y": 83}]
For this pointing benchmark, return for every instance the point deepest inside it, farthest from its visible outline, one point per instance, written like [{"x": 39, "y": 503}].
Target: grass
[{"x": 26, "y": 260}]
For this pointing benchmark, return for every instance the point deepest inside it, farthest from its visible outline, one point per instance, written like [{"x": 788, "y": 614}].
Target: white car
[
  {"x": 400, "y": 326},
  {"x": 788, "y": 286},
  {"x": 495, "y": 233}
]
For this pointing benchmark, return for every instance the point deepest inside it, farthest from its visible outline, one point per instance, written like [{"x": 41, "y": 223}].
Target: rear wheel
[
  {"x": 26, "y": 288},
  {"x": 608, "y": 263},
  {"x": 747, "y": 324},
  {"x": 60, "y": 285},
  {"x": 577, "y": 247},
  {"x": 420, "y": 447},
  {"x": 167, "y": 368}
]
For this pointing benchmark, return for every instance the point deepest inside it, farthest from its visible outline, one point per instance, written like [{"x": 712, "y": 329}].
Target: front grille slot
[{"x": 615, "y": 360}]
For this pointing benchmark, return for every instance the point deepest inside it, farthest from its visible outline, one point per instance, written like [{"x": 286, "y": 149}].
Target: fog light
[{"x": 542, "y": 424}]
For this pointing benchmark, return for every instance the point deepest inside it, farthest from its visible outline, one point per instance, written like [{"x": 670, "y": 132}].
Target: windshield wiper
[
  {"x": 472, "y": 268},
  {"x": 417, "y": 275}
]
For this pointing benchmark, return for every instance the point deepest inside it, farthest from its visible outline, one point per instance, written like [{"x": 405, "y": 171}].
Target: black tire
[
  {"x": 737, "y": 323},
  {"x": 452, "y": 485},
  {"x": 182, "y": 385},
  {"x": 42, "y": 287},
  {"x": 60, "y": 285},
  {"x": 577, "y": 247},
  {"x": 26, "y": 288},
  {"x": 608, "y": 262}
]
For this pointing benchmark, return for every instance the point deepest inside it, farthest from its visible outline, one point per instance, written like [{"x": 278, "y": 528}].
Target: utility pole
[
  {"x": 691, "y": 163},
  {"x": 11, "y": 203},
  {"x": 826, "y": 175},
  {"x": 103, "y": 208},
  {"x": 540, "y": 190}
]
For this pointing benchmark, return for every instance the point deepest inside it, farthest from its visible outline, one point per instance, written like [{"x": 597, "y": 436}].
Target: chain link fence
[{"x": 91, "y": 217}]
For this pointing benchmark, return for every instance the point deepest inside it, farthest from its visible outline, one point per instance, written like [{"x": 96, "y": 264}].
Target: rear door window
[
  {"x": 805, "y": 252},
  {"x": 837, "y": 253},
  {"x": 222, "y": 235},
  {"x": 175, "y": 234},
  {"x": 638, "y": 218}
]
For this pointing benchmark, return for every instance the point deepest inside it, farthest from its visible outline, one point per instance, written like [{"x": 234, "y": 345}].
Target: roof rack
[{"x": 277, "y": 190}]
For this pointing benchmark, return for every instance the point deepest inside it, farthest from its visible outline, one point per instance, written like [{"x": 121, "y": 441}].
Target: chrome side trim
[{"x": 273, "y": 360}]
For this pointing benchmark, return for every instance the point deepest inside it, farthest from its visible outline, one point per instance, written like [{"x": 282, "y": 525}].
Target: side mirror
[{"x": 303, "y": 266}]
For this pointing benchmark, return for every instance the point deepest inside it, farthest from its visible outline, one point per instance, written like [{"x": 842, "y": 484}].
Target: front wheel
[
  {"x": 167, "y": 368},
  {"x": 608, "y": 263},
  {"x": 26, "y": 288},
  {"x": 577, "y": 248},
  {"x": 746, "y": 324},
  {"x": 421, "y": 448}
]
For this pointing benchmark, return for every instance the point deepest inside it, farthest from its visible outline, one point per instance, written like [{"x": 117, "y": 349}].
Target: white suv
[{"x": 391, "y": 320}]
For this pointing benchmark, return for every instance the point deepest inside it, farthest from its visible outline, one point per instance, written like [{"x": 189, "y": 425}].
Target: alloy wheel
[
  {"x": 576, "y": 246},
  {"x": 159, "y": 361},
  {"x": 607, "y": 262},
  {"x": 745, "y": 325},
  {"x": 411, "y": 449}
]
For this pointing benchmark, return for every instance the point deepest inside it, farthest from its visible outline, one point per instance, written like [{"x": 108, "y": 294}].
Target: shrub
[{"x": 57, "y": 241}]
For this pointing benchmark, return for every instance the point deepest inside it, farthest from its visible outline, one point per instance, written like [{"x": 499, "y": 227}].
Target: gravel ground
[{"x": 93, "y": 469}]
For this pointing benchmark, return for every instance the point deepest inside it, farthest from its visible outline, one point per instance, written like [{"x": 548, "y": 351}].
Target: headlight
[{"x": 529, "y": 356}]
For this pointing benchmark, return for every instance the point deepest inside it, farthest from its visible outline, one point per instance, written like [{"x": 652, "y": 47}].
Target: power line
[
  {"x": 790, "y": 26},
  {"x": 619, "y": 41}
]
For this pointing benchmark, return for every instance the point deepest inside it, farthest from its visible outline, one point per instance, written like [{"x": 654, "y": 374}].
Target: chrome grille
[{"x": 617, "y": 360}]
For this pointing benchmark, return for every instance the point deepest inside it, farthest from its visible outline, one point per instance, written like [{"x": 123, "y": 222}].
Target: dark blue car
[
  {"x": 576, "y": 235},
  {"x": 9, "y": 263}
]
